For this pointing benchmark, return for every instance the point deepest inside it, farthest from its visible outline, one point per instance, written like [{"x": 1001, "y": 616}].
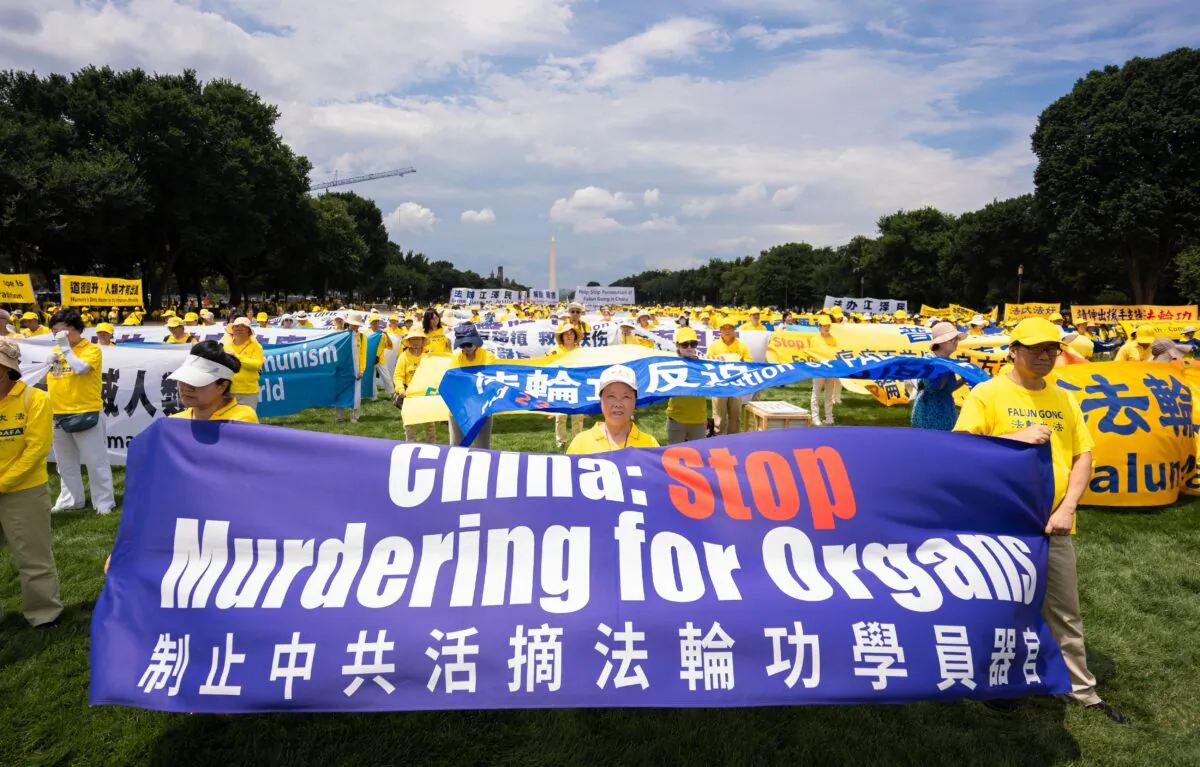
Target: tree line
[
  {"x": 188, "y": 186},
  {"x": 1115, "y": 218}
]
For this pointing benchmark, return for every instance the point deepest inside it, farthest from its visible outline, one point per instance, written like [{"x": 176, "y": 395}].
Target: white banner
[
  {"x": 595, "y": 297},
  {"x": 866, "y": 305},
  {"x": 524, "y": 339},
  {"x": 543, "y": 297},
  {"x": 472, "y": 296}
]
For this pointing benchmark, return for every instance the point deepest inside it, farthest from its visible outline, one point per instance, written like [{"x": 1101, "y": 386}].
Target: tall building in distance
[{"x": 500, "y": 273}]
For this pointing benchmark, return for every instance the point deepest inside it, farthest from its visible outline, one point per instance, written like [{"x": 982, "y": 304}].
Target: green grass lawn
[{"x": 1140, "y": 584}]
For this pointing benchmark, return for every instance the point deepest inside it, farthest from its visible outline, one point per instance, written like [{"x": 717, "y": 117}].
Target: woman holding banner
[
  {"x": 436, "y": 340},
  {"x": 407, "y": 363},
  {"x": 687, "y": 417},
  {"x": 249, "y": 353},
  {"x": 470, "y": 352},
  {"x": 826, "y": 388},
  {"x": 727, "y": 411},
  {"x": 566, "y": 336},
  {"x": 934, "y": 406},
  {"x": 618, "y": 400}
]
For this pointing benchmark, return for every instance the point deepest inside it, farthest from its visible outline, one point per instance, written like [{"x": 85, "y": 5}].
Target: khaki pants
[
  {"x": 249, "y": 400},
  {"x": 410, "y": 433},
  {"x": 727, "y": 415},
  {"x": 678, "y": 433},
  {"x": 483, "y": 439},
  {"x": 1061, "y": 611},
  {"x": 25, "y": 524},
  {"x": 560, "y": 427}
]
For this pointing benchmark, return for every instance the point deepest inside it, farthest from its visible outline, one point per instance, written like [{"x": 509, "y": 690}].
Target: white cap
[
  {"x": 627, "y": 322},
  {"x": 286, "y": 317},
  {"x": 618, "y": 374},
  {"x": 198, "y": 371}
]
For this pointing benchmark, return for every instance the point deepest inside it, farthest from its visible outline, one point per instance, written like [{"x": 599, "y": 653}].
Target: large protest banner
[
  {"x": 1111, "y": 314},
  {"x": 472, "y": 394},
  {"x": 79, "y": 290},
  {"x": 544, "y": 296},
  {"x": 867, "y": 340},
  {"x": 595, "y": 297},
  {"x": 1173, "y": 329},
  {"x": 1142, "y": 418},
  {"x": 470, "y": 579},
  {"x": 16, "y": 289},
  {"x": 864, "y": 305},
  {"x": 136, "y": 389},
  {"x": 1018, "y": 312}
]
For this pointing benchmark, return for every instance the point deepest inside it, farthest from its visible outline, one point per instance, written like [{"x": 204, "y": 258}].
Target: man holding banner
[{"x": 1020, "y": 405}]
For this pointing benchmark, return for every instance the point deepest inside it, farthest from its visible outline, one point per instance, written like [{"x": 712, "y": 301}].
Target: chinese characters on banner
[
  {"x": 16, "y": 289},
  {"x": 467, "y": 296},
  {"x": 865, "y": 305},
  {"x": 1142, "y": 418},
  {"x": 543, "y": 297},
  {"x": 470, "y": 579},
  {"x": 1018, "y": 312},
  {"x": 595, "y": 297},
  {"x": 1108, "y": 314},
  {"x": 99, "y": 291}
]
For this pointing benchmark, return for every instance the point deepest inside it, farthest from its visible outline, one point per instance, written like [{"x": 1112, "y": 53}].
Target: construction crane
[{"x": 357, "y": 179}]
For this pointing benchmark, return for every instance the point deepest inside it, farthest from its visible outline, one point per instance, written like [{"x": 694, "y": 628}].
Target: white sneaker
[
  {"x": 109, "y": 510},
  {"x": 354, "y": 418},
  {"x": 816, "y": 421},
  {"x": 59, "y": 509}
]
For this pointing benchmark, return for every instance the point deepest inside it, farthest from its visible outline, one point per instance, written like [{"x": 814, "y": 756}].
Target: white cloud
[
  {"x": 770, "y": 39},
  {"x": 485, "y": 216},
  {"x": 674, "y": 39},
  {"x": 410, "y": 217},
  {"x": 588, "y": 210},
  {"x": 786, "y": 197},
  {"x": 651, "y": 198},
  {"x": 744, "y": 197},
  {"x": 658, "y": 223}
]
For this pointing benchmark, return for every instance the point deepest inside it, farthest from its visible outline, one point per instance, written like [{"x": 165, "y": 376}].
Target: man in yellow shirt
[
  {"x": 469, "y": 352},
  {"x": 302, "y": 320},
  {"x": 618, "y": 399},
  {"x": 1021, "y": 405},
  {"x": 25, "y": 491},
  {"x": 80, "y": 437},
  {"x": 687, "y": 417},
  {"x": 755, "y": 320},
  {"x": 263, "y": 320},
  {"x": 1138, "y": 348},
  {"x": 575, "y": 317},
  {"x": 177, "y": 334},
  {"x": 727, "y": 411},
  {"x": 32, "y": 326}
]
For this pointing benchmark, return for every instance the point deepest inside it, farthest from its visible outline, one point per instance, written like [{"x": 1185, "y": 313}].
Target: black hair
[
  {"x": 14, "y": 375},
  {"x": 68, "y": 317},
  {"x": 214, "y": 352},
  {"x": 427, "y": 320}
]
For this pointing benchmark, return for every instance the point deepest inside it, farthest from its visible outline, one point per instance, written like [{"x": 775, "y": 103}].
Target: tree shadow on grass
[{"x": 956, "y": 734}]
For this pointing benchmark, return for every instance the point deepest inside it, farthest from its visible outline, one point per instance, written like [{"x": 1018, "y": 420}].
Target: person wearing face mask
[
  {"x": 25, "y": 491},
  {"x": 727, "y": 411},
  {"x": 1023, "y": 406},
  {"x": 687, "y": 417},
  {"x": 934, "y": 406},
  {"x": 73, "y": 383},
  {"x": 469, "y": 352},
  {"x": 249, "y": 352},
  {"x": 618, "y": 400},
  {"x": 567, "y": 336}
]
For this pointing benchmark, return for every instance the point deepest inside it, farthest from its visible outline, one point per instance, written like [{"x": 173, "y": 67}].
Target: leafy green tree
[
  {"x": 905, "y": 262},
  {"x": 1118, "y": 163}
]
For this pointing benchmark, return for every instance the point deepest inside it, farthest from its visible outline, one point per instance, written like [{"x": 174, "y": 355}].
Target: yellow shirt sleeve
[
  {"x": 976, "y": 416},
  {"x": 28, "y": 469},
  {"x": 1082, "y": 441}
]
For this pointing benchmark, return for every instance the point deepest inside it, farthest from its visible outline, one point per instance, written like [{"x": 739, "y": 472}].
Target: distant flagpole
[{"x": 553, "y": 278}]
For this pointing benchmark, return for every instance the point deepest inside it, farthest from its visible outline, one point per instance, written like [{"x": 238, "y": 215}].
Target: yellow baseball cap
[
  {"x": 686, "y": 334},
  {"x": 174, "y": 322},
  {"x": 1036, "y": 330},
  {"x": 29, "y": 316},
  {"x": 104, "y": 327},
  {"x": 191, "y": 317},
  {"x": 261, "y": 317}
]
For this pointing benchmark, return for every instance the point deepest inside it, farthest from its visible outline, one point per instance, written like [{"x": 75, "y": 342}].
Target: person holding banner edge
[
  {"x": 1007, "y": 407},
  {"x": 687, "y": 417},
  {"x": 618, "y": 400},
  {"x": 249, "y": 352},
  {"x": 567, "y": 336},
  {"x": 470, "y": 352},
  {"x": 74, "y": 384}
]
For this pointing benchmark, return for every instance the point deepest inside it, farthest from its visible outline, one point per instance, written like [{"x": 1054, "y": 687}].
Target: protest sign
[
  {"x": 1160, "y": 328},
  {"x": 78, "y": 290},
  {"x": 864, "y": 305},
  {"x": 1110, "y": 314},
  {"x": 595, "y": 297},
  {"x": 544, "y": 296},
  {"x": 867, "y": 340},
  {"x": 941, "y": 314},
  {"x": 1018, "y": 312},
  {"x": 483, "y": 296},
  {"x": 468, "y": 579},
  {"x": 136, "y": 389},
  {"x": 16, "y": 289},
  {"x": 472, "y": 394}
]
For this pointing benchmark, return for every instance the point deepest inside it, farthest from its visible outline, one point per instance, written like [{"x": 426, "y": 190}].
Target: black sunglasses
[
  {"x": 689, "y": 344},
  {"x": 466, "y": 346}
]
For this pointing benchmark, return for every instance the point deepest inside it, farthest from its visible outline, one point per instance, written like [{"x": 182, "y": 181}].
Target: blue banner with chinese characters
[
  {"x": 472, "y": 394},
  {"x": 773, "y": 568}
]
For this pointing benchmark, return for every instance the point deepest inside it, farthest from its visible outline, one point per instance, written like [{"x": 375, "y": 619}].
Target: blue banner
[
  {"x": 366, "y": 386},
  {"x": 773, "y": 568},
  {"x": 297, "y": 376},
  {"x": 474, "y": 393}
]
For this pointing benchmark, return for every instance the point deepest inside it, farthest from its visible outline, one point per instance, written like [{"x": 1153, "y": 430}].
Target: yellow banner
[
  {"x": 966, "y": 313},
  {"x": 1112, "y": 314},
  {"x": 1160, "y": 328},
  {"x": 941, "y": 314},
  {"x": 99, "y": 291},
  {"x": 16, "y": 289},
  {"x": 1141, "y": 417},
  {"x": 863, "y": 341},
  {"x": 1018, "y": 312}
]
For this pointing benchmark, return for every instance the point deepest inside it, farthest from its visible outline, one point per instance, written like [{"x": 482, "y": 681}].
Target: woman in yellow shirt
[
  {"x": 407, "y": 363},
  {"x": 727, "y": 411},
  {"x": 177, "y": 334},
  {"x": 31, "y": 325},
  {"x": 687, "y": 417},
  {"x": 1138, "y": 348},
  {"x": 567, "y": 335},
  {"x": 249, "y": 353},
  {"x": 104, "y": 334},
  {"x": 24, "y": 488},
  {"x": 436, "y": 340},
  {"x": 205, "y": 383},
  {"x": 618, "y": 400},
  {"x": 469, "y": 353}
]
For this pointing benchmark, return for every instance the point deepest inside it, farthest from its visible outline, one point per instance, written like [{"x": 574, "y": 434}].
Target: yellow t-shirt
[
  {"x": 482, "y": 357},
  {"x": 1001, "y": 406},
  {"x": 231, "y": 412},
  {"x": 41, "y": 331},
  {"x": 719, "y": 348},
  {"x": 751, "y": 326},
  {"x": 71, "y": 393},
  {"x": 688, "y": 410},
  {"x": 186, "y": 338},
  {"x": 1132, "y": 351},
  {"x": 250, "y": 354},
  {"x": 595, "y": 440},
  {"x": 406, "y": 367},
  {"x": 437, "y": 342},
  {"x": 26, "y": 434},
  {"x": 631, "y": 338}
]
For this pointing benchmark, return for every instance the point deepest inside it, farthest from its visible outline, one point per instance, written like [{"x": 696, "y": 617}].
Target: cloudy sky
[{"x": 639, "y": 134}]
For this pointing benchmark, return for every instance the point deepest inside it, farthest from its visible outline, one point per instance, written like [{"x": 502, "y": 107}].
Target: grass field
[{"x": 1140, "y": 585}]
